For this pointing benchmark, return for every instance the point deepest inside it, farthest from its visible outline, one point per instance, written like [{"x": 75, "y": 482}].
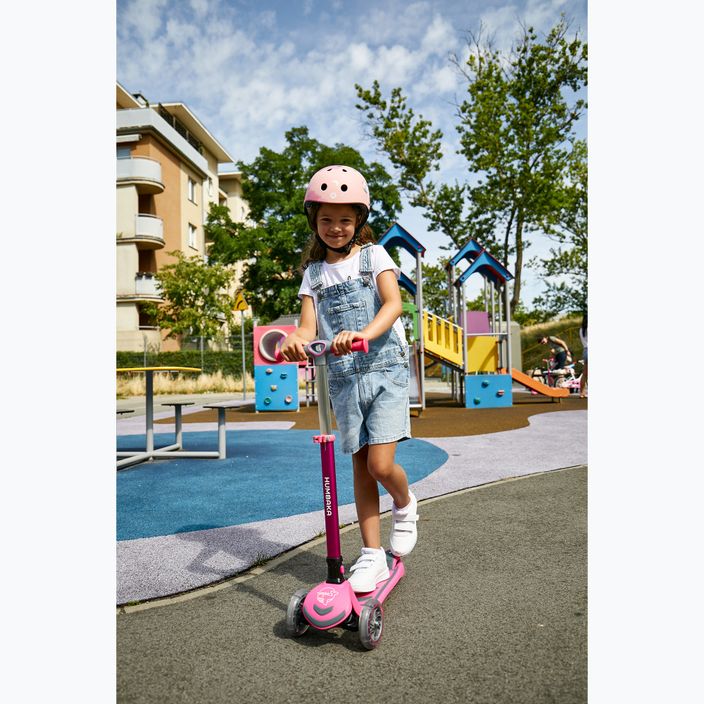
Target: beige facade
[{"x": 166, "y": 178}]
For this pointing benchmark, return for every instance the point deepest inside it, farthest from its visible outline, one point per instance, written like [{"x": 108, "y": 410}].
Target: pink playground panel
[{"x": 476, "y": 321}]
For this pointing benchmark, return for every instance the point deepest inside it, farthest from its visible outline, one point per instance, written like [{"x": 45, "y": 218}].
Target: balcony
[
  {"x": 148, "y": 232},
  {"x": 145, "y": 285},
  {"x": 142, "y": 172},
  {"x": 145, "y": 289}
]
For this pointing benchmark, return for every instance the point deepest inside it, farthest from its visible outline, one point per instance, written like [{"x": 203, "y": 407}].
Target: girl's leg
[
  {"x": 366, "y": 498},
  {"x": 382, "y": 468}
]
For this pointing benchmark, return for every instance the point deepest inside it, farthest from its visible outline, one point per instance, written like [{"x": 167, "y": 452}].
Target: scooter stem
[
  {"x": 319, "y": 349},
  {"x": 332, "y": 521}
]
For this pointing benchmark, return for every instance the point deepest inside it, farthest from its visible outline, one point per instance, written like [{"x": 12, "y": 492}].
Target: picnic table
[{"x": 170, "y": 451}]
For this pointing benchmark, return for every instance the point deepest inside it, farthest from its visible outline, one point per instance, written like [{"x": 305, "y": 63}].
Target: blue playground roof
[
  {"x": 397, "y": 236},
  {"x": 470, "y": 251},
  {"x": 489, "y": 267},
  {"x": 408, "y": 284}
]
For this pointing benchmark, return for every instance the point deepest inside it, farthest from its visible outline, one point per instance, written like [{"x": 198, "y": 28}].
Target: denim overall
[{"x": 369, "y": 392}]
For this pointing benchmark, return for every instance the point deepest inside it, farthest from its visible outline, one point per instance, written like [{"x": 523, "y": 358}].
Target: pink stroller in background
[
  {"x": 565, "y": 378},
  {"x": 333, "y": 603}
]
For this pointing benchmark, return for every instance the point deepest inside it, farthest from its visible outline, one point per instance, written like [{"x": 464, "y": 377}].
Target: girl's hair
[{"x": 315, "y": 252}]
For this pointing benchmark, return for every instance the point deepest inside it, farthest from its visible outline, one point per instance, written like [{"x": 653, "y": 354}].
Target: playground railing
[{"x": 442, "y": 338}]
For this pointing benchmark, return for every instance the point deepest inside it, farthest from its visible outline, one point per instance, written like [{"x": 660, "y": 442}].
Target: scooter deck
[
  {"x": 330, "y": 605},
  {"x": 383, "y": 589}
]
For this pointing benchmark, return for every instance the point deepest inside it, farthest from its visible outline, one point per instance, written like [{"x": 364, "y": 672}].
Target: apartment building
[{"x": 167, "y": 176}]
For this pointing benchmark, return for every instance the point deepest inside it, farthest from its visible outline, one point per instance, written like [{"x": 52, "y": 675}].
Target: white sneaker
[
  {"x": 369, "y": 570},
  {"x": 404, "y": 532}
]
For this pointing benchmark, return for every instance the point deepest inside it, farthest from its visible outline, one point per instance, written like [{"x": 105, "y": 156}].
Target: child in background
[{"x": 350, "y": 292}]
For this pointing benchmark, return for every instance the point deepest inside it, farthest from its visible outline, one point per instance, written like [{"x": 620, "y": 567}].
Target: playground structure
[
  {"x": 473, "y": 346},
  {"x": 275, "y": 384}
]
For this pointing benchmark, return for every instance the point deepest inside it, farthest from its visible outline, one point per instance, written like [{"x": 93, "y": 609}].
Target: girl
[{"x": 349, "y": 292}]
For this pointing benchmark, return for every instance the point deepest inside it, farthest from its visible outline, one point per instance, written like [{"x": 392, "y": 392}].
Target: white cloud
[
  {"x": 199, "y": 7},
  {"x": 267, "y": 19},
  {"x": 439, "y": 38},
  {"x": 141, "y": 20}
]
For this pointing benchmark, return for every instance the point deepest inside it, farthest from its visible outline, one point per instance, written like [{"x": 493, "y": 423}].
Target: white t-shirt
[{"x": 347, "y": 270}]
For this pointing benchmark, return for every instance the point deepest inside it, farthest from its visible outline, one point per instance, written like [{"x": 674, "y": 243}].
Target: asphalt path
[{"x": 493, "y": 609}]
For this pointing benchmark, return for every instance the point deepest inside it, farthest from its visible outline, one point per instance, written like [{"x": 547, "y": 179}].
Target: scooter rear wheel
[
  {"x": 296, "y": 624},
  {"x": 371, "y": 624}
]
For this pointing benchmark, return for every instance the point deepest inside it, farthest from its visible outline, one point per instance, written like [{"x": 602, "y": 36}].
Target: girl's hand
[
  {"x": 292, "y": 348},
  {"x": 342, "y": 342}
]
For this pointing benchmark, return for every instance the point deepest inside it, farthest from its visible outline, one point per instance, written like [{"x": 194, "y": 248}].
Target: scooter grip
[{"x": 360, "y": 346}]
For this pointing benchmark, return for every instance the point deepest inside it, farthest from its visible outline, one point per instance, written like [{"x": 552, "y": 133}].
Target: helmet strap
[{"x": 340, "y": 250}]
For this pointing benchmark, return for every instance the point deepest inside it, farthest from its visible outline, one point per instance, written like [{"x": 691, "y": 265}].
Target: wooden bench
[
  {"x": 178, "y": 405},
  {"x": 221, "y": 408}
]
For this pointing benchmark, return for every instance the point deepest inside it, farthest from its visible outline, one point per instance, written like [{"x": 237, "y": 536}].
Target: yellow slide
[{"x": 538, "y": 386}]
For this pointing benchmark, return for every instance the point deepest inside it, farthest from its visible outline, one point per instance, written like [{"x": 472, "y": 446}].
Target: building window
[
  {"x": 191, "y": 190},
  {"x": 192, "y": 236},
  {"x": 210, "y": 187},
  {"x": 124, "y": 151}
]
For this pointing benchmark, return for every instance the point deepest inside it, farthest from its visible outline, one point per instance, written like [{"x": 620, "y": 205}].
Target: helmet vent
[
  {"x": 323, "y": 186},
  {"x": 343, "y": 187}
]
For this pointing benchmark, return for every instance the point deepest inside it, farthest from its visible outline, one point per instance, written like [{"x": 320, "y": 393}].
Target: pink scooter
[{"x": 333, "y": 603}]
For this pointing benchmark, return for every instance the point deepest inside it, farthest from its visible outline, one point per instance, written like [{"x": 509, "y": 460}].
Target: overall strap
[
  {"x": 315, "y": 273},
  {"x": 365, "y": 259}
]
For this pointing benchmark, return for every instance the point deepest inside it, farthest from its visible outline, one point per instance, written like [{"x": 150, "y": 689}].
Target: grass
[{"x": 169, "y": 383}]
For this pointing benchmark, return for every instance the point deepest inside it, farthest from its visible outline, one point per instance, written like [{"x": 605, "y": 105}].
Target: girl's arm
[
  {"x": 390, "y": 310},
  {"x": 292, "y": 347}
]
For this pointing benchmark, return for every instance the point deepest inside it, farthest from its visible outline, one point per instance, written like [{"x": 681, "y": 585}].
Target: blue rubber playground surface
[
  {"x": 267, "y": 474},
  {"x": 184, "y": 523}
]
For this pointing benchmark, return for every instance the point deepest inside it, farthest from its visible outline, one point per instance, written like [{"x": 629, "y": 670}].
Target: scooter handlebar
[{"x": 317, "y": 348}]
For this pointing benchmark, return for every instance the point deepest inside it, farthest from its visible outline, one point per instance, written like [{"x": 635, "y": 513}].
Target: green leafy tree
[
  {"x": 195, "y": 296},
  {"x": 516, "y": 129},
  {"x": 271, "y": 245},
  {"x": 568, "y": 228}
]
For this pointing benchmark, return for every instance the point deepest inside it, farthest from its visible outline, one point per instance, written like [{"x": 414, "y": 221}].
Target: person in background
[
  {"x": 560, "y": 351},
  {"x": 583, "y": 339}
]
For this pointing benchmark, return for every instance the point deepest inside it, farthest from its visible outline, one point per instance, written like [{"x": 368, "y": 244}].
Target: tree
[
  {"x": 274, "y": 186},
  {"x": 516, "y": 130},
  {"x": 196, "y": 299},
  {"x": 569, "y": 230}
]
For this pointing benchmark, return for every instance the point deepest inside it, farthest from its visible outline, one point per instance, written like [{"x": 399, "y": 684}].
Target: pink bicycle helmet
[{"x": 338, "y": 184}]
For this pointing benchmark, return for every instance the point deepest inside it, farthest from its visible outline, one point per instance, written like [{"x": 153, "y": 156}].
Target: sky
[{"x": 251, "y": 71}]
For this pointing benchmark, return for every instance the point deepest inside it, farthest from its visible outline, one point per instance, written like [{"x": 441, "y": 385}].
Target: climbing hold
[
  {"x": 485, "y": 384},
  {"x": 284, "y": 375},
  {"x": 500, "y": 392},
  {"x": 269, "y": 370},
  {"x": 267, "y": 401},
  {"x": 288, "y": 399},
  {"x": 477, "y": 401},
  {"x": 273, "y": 387}
]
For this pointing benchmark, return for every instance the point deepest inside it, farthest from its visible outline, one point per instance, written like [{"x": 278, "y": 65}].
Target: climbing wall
[
  {"x": 276, "y": 387},
  {"x": 488, "y": 391}
]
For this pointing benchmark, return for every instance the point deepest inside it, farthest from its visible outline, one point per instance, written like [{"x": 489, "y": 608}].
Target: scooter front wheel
[
  {"x": 296, "y": 624},
  {"x": 371, "y": 624}
]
